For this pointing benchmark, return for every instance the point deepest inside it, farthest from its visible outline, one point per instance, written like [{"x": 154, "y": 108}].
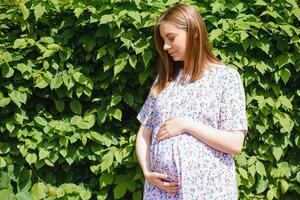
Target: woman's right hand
[{"x": 158, "y": 179}]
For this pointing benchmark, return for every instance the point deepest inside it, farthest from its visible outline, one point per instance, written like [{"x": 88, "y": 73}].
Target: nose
[{"x": 166, "y": 46}]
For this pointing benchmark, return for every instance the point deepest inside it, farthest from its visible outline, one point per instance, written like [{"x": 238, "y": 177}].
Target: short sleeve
[
  {"x": 233, "y": 103},
  {"x": 146, "y": 114}
]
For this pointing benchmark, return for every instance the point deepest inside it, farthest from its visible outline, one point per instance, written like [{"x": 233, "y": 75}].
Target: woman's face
[{"x": 174, "y": 40}]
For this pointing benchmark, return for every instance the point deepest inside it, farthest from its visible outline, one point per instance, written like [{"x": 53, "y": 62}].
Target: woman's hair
[{"x": 198, "y": 54}]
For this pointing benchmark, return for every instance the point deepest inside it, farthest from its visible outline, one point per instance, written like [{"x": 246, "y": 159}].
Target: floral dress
[{"x": 202, "y": 172}]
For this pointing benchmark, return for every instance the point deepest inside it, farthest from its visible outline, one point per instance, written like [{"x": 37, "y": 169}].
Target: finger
[
  {"x": 160, "y": 175},
  {"x": 161, "y": 133},
  {"x": 171, "y": 184},
  {"x": 173, "y": 192},
  {"x": 166, "y": 135},
  {"x": 163, "y": 127}
]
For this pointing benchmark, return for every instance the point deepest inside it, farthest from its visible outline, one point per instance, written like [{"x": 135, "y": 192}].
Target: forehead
[{"x": 168, "y": 27}]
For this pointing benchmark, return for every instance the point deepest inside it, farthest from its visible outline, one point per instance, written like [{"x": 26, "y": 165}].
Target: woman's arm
[
  {"x": 143, "y": 140},
  {"x": 225, "y": 141}
]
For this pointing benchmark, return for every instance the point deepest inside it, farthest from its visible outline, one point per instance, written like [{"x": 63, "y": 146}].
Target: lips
[{"x": 172, "y": 54}]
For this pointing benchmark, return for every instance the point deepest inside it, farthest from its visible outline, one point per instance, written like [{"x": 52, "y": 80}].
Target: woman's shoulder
[{"x": 224, "y": 71}]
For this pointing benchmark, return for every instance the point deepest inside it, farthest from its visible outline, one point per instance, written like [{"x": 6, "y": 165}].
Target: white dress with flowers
[{"x": 203, "y": 173}]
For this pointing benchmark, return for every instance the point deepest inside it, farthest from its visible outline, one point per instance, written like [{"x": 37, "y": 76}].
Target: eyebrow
[{"x": 169, "y": 34}]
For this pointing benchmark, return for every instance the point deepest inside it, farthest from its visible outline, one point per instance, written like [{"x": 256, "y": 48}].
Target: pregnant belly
[
  {"x": 166, "y": 156},
  {"x": 184, "y": 151}
]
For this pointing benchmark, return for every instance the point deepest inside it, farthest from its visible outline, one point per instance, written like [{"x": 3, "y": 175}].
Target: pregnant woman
[{"x": 194, "y": 117}]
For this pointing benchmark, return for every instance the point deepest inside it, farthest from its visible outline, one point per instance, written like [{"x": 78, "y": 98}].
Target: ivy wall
[{"x": 75, "y": 73}]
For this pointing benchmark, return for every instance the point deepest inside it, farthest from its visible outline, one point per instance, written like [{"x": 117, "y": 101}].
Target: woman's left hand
[{"x": 172, "y": 127}]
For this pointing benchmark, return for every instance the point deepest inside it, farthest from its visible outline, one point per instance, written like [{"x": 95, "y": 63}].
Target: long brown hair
[{"x": 199, "y": 55}]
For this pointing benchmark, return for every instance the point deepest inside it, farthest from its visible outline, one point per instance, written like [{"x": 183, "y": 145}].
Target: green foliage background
[{"x": 75, "y": 73}]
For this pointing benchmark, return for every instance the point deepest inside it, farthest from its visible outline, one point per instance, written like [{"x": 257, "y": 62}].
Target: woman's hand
[
  {"x": 172, "y": 127},
  {"x": 158, "y": 179}
]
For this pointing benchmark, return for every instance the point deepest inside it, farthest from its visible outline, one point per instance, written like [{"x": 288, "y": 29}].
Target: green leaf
[
  {"x": 56, "y": 82},
  {"x": 115, "y": 100},
  {"x": 252, "y": 170},
  {"x": 120, "y": 191},
  {"x": 18, "y": 97},
  {"x": 76, "y": 107},
  {"x": 4, "y": 102},
  {"x": 298, "y": 177},
  {"x": 140, "y": 45},
  {"x": 105, "y": 179},
  {"x": 117, "y": 114},
  {"x": 135, "y": 15},
  {"x": 39, "y": 11},
  {"x": 40, "y": 120},
  {"x": 31, "y": 158},
  {"x": 244, "y": 35},
  {"x": 41, "y": 82},
  {"x": 78, "y": 12},
  {"x": 260, "y": 168},
  {"x": 296, "y": 12},
  {"x": 129, "y": 99},
  {"x": 38, "y": 191},
  {"x": 102, "y": 195},
  {"x": 100, "y": 53},
  {"x": 47, "y": 40},
  {"x": 24, "y": 68},
  {"x": 20, "y": 43},
  {"x": 7, "y": 71},
  {"x": 119, "y": 156},
  {"x": 147, "y": 55},
  {"x": 215, "y": 34},
  {"x": 43, "y": 153},
  {"x": 103, "y": 139},
  {"x": 143, "y": 76},
  {"x": 261, "y": 186},
  {"x": 285, "y": 102},
  {"x": 23, "y": 195},
  {"x": 59, "y": 105},
  {"x": 137, "y": 195},
  {"x": 6, "y": 56},
  {"x": 101, "y": 116},
  {"x": 137, "y": 2},
  {"x": 281, "y": 60},
  {"x": 85, "y": 195},
  {"x": 106, "y": 18},
  {"x": 126, "y": 38},
  {"x": 107, "y": 161},
  {"x": 277, "y": 152},
  {"x": 243, "y": 172},
  {"x": 88, "y": 42},
  {"x": 2, "y": 162},
  {"x": 87, "y": 122},
  {"x": 284, "y": 185},
  {"x": 120, "y": 63},
  {"x": 270, "y": 194},
  {"x": 285, "y": 75},
  {"x": 4, "y": 148},
  {"x": 262, "y": 67},
  {"x": 133, "y": 61},
  {"x": 6, "y": 194},
  {"x": 24, "y": 10}
]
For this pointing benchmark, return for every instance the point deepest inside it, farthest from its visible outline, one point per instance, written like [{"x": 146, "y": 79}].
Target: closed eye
[{"x": 172, "y": 39}]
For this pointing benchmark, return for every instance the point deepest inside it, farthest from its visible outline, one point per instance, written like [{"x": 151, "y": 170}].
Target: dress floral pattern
[{"x": 217, "y": 99}]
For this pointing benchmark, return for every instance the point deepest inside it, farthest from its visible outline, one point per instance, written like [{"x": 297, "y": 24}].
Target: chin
[{"x": 177, "y": 59}]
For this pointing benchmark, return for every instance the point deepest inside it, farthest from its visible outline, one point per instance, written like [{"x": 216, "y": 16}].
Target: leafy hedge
[{"x": 75, "y": 73}]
